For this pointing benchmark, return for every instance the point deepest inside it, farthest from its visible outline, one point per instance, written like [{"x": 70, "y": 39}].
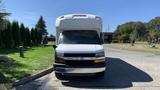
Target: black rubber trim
[{"x": 96, "y": 65}]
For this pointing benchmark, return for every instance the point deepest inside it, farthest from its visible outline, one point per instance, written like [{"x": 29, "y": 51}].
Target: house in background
[
  {"x": 51, "y": 38},
  {"x": 108, "y": 37}
]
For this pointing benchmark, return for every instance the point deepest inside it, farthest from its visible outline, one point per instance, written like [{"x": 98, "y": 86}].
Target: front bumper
[{"x": 66, "y": 69}]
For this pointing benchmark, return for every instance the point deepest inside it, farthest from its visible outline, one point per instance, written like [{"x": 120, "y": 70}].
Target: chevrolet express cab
[{"x": 79, "y": 49}]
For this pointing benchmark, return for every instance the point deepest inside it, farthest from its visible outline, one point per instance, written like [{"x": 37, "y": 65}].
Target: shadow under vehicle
[{"x": 118, "y": 74}]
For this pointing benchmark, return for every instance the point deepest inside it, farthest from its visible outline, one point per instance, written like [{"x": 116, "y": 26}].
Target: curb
[{"x": 32, "y": 77}]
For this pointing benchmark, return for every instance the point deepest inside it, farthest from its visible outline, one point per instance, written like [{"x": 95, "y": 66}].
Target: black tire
[
  {"x": 59, "y": 76},
  {"x": 100, "y": 74}
]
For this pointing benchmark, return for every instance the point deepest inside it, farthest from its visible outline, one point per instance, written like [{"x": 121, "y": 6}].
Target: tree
[
  {"x": 39, "y": 36},
  {"x": 131, "y": 31},
  {"x": 133, "y": 37},
  {"x": 28, "y": 37},
  {"x": 16, "y": 33},
  {"x": 13, "y": 35},
  {"x": 8, "y": 38},
  {"x": 139, "y": 29},
  {"x": 33, "y": 36},
  {"x": 1, "y": 39},
  {"x": 41, "y": 26},
  {"x": 23, "y": 34},
  {"x": 36, "y": 36},
  {"x": 3, "y": 16},
  {"x": 152, "y": 36},
  {"x": 41, "y": 30},
  {"x": 124, "y": 31},
  {"x": 153, "y": 27},
  {"x": 3, "y": 20}
]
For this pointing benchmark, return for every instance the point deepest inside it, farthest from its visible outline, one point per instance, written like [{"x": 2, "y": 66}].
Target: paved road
[{"x": 125, "y": 70}]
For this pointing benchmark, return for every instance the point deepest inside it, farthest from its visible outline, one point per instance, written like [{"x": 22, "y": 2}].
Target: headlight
[
  {"x": 100, "y": 54},
  {"x": 59, "y": 54}
]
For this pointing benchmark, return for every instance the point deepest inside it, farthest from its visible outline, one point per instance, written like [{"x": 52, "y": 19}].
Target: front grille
[
  {"x": 79, "y": 55},
  {"x": 79, "y": 63}
]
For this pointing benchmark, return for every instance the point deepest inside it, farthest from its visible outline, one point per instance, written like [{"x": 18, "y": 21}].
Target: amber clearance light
[
  {"x": 99, "y": 60},
  {"x": 59, "y": 61}
]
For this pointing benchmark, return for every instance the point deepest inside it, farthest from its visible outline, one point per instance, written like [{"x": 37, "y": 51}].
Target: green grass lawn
[
  {"x": 36, "y": 59},
  {"x": 139, "y": 46}
]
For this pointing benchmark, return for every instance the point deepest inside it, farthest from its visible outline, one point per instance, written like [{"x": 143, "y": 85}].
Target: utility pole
[{"x": 108, "y": 28}]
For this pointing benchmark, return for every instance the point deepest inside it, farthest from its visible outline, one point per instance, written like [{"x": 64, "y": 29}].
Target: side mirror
[{"x": 54, "y": 46}]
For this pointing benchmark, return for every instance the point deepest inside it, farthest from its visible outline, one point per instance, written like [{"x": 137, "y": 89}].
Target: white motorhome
[{"x": 79, "y": 49}]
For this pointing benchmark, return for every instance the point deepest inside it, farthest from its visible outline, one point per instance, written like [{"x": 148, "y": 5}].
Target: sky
[{"x": 113, "y": 12}]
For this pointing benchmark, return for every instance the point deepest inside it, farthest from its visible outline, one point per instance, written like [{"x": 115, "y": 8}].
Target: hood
[{"x": 79, "y": 48}]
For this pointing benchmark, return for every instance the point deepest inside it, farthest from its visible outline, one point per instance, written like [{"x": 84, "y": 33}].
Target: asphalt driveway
[{"x": 128, "y": 70}]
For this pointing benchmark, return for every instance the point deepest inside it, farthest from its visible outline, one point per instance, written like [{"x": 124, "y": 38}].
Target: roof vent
[
  {"x": 62, "y": 17},
  {"x": 98, "y": 18},
  {"x": 79, "y": 16}
]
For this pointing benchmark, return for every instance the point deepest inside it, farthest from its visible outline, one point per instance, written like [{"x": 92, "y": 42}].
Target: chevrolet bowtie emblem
[{"x": 79, "y": 58}]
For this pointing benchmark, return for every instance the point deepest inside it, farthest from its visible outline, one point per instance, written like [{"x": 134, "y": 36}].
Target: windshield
[{"x": 79, "y": 37}]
